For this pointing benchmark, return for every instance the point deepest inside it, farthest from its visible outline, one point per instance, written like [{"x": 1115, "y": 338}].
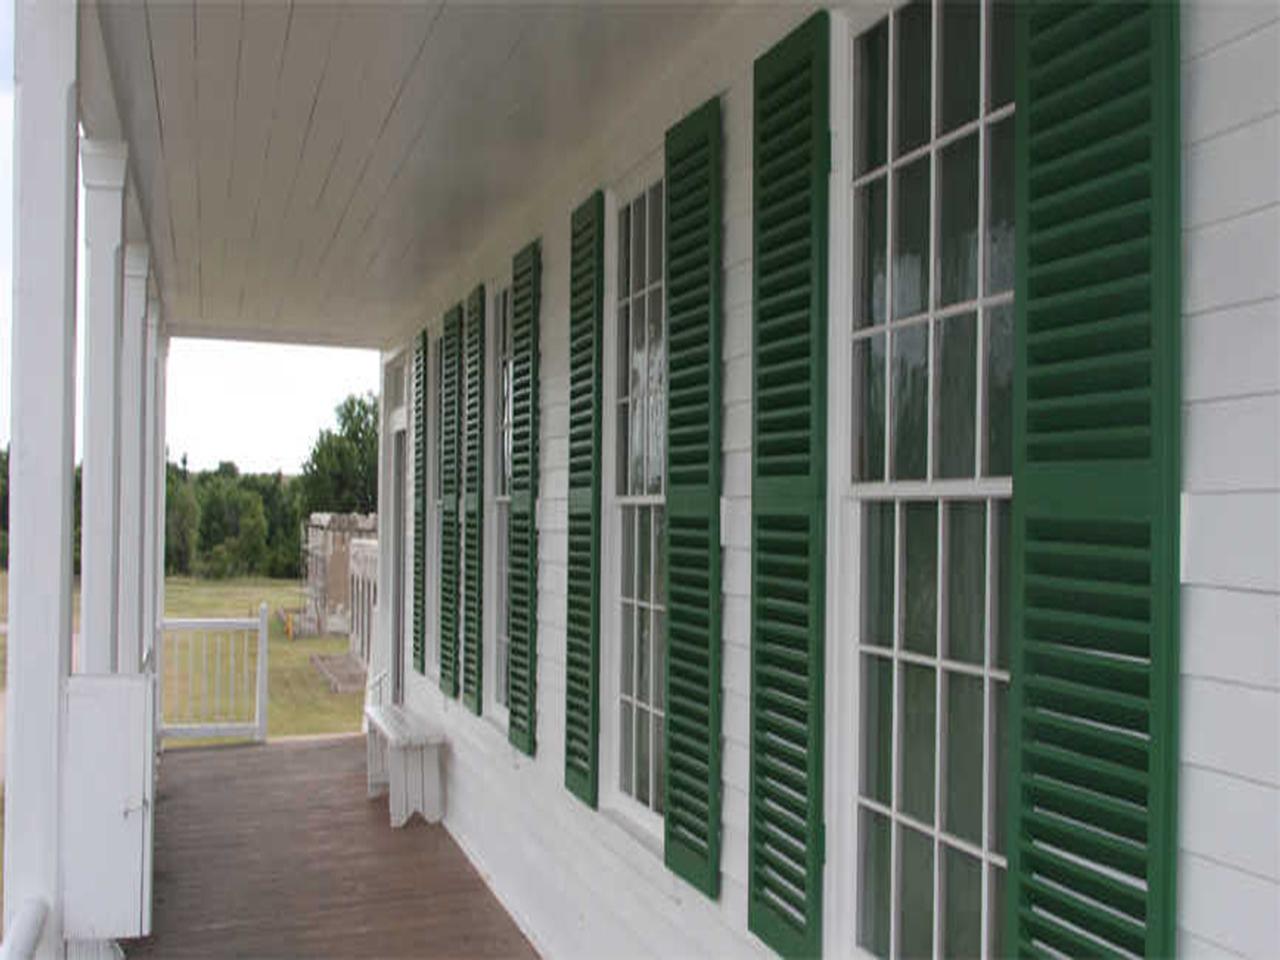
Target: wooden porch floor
[{"x": 275, "y": 851}]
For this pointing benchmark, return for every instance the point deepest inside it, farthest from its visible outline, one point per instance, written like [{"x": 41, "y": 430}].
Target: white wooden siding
[
  {"x": 1229, "y": 834},
  {"x": 582, "y": 883}
]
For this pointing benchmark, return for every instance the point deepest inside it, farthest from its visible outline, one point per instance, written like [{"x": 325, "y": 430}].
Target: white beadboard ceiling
[{"x": 301, "y": 167}]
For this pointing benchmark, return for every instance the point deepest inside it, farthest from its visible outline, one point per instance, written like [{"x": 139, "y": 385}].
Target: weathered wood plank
[{"x": 274, "y": 851}]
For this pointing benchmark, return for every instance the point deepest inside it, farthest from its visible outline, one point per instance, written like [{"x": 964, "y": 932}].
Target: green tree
[
  {"x": 341, "y": 474},
  {"x": 181, "y": 521},
  {"x": 251, "y": 535}
]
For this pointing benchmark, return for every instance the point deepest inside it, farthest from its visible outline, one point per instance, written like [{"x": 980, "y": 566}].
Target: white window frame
[
  {"x": 431, "y": 410},
  {"x": 497, "y": 548},
  {"x": 846, "y": 518},
  {"x": 642, "y": 821}
]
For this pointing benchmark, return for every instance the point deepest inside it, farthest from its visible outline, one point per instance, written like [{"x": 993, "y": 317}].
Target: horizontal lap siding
[
  {"x": 579, "y": 883},
  {"x": 1229, "y": 832}
]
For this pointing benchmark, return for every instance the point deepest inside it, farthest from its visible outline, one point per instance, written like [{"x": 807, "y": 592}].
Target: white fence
[{"x": 213, "y": 678}]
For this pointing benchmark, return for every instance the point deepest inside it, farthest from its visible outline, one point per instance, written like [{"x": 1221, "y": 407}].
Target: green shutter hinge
[
  {"x": 831, "y": 151},
  {"x": 821, "y": 837}
]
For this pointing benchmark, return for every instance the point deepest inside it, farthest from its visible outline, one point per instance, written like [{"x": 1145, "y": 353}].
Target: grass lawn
[{"x": 299, "y": 700}]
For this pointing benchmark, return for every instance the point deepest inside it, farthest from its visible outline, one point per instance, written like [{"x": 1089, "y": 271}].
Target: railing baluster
[
  {"x": 217, "y": 676},
  {"x": 231, "y": 673}
]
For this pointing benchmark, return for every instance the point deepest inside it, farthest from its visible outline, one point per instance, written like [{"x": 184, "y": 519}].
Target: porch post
[
  {"x": 153, "y": 483},
  {"x": 41, "y": 468},
  {"x": 104, "y": 176},
  {"x": 161, "y": 470},
  {"x": 133, "y": 430}
]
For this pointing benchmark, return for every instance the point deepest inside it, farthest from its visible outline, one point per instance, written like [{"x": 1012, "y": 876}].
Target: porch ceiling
[{"x": 301, "y": 167}]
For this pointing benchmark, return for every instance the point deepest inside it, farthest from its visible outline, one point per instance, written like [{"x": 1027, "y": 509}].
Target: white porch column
[
  {"x": 41, "y": 468},
  {"x": 104, "y": 177},
  {"x": 133, "y": 430},
  {"x": 152, "y": 478},
  {"x": 161, "y": 476}
]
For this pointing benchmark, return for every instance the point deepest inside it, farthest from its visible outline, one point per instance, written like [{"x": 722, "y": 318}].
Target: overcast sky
[{"x": 259, "y": 405}]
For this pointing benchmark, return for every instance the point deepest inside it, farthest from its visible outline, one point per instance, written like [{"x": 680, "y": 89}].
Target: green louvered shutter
[
  {"x": 420, "y": 502},
  {"x": 1096, "y": 482},
  {"x": 692, "y": 548},
  {"x": 790, "y": 161},
  {"x": 473, "y": 504},
  {"x": 522, "y": 525},
  {"x": 582, "y": 631},
  {"x": 450, "y": 437}
]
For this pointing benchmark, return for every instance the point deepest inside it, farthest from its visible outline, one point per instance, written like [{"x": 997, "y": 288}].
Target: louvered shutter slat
[
  {"x": 692, "y": 547},
  {"x": 450, "y": 417},
  {"x": 1096, "y": 481},
  {"x": 522, "y": 529},
  {"x": 582, "y": 642},
  {"x": 790, "y": 169},
  {"x": 419, "y": 502},
  {"x": 473, "y": 504}
]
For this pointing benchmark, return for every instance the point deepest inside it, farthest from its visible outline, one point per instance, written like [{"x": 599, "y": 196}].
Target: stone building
[{"x": 326, "y": 567}]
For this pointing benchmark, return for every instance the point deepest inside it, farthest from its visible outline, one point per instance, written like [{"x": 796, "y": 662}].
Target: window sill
[{"x": 635, "y": 827}]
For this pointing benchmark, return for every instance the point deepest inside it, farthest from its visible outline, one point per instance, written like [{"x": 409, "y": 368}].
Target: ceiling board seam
[
  {"x": 235, "y": 125},
  {"x": 499, "y": 73},
  {"x": 164, "y": 167},
  {"x": 195, "y": 83},
  {"x": 266, "y": 150},
  {"x": 382, "y": 129}
]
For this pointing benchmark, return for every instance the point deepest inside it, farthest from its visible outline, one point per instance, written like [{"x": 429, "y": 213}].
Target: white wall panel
[{"x": 1229, "y": 868}]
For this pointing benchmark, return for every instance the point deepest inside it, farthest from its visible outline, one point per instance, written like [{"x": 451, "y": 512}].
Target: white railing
[
  {"x": 23, "y": 935},
  {"x": 213, "y": 678}
]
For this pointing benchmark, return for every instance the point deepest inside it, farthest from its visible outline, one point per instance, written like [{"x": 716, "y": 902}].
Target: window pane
[
  {"x": 624, "y": 249},
  {"x": 644, "y": 542},
  {"x": 919, "y": 713},
  {"x": 629, "y": 552},
  {"x": 642, "y": 755},
  {"x": 643, "y": 653},
  {"x": 910, "y": 401},
  {"x": 999, "y": 360},
  {"x": 639, "y": 408},
  {"x": 638, "y": 247},
  {"x": 877, "y": 729},
  {"x": 870, "y": 253},
  {"x": 627, "y": 654},
  {"x": 962, "y": 915},
  {"x": 1000, "y": 764},
  {"x": 872, "y": 92},
  {"x": 920, "y": 592},
  {"x": 868, "y": 413},
  {"x": 956, "y": 367},
  {"x": 874, "y": 889},
  {"x": 1000, "y": 53},
  {"x": 659, "y": 643},
  {"x": 624, "y": 350},
  {"x": 996, "y": 913},
  {"x": 911, "y": 240},
  {"x": 966, "y": 580},
  {"x": 1001, "y": 588},
  {"x": 961, "y": 25},
  {"x": 914, "y": 75},
  {"x": 1000, "y": 213},
  {"x": 655, "y": 232},
  {"x": 963, "y": 787},
  {"x": 659, "y": 766},
  {"x": 958, "y": 230},
  {"x": 877, "y": 576},
  {"x": 625, "y": 750},
  {"x": 656, "y": 462},
  {"x": 659, "y": 556},
  {"x": 915, "y": 908},
  {"x": 624, "y": 441}
]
